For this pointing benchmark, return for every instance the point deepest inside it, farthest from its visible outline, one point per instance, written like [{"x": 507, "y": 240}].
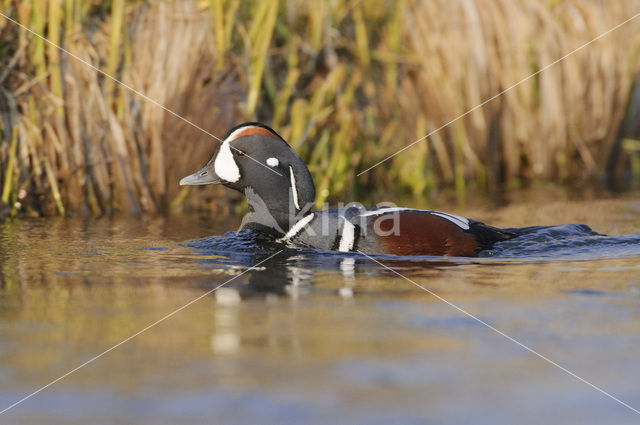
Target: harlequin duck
[{"x": 255, "y": 160}]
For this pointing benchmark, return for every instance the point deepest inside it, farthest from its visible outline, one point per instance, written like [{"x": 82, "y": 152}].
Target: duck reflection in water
[{"x": 291, "y": 272}]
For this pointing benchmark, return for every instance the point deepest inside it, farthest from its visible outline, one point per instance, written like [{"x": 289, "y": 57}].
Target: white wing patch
[
  {"x": 383, "y": 211},
  {"x": 225, "y": 165},
  {"x": 273, "y": 162},
  {"x": 294, "y": 189},
  {"x": 461, "y": 222}
]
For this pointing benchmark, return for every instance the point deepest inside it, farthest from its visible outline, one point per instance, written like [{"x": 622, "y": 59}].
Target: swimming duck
[{"x": 255, "y": 160}]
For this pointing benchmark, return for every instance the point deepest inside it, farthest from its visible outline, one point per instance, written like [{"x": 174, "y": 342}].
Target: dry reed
[{"x": 346, "y": 82}]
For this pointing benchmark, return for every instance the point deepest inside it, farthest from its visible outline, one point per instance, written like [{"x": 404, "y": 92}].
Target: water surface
[{"x": 315, "y": 337}]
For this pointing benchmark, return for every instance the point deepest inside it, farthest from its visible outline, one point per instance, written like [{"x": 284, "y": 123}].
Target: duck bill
[{"x": 204, "y": 176}]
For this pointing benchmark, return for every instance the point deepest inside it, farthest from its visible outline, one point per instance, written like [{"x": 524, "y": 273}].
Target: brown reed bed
[{"x": 346, "y": 82}]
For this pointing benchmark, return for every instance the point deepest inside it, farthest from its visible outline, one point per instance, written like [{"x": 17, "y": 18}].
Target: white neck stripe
[{"x": 294, "y": 189}]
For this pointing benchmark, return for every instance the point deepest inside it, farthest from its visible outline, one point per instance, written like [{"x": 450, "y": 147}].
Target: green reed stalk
[
  {"x": 115, "y": 33},
  {"x": 217, "y": 13},
  {"x": 394, "y": 30},
  {"x": 458, "y": 164},
  {"x": 121, "y": 100},
  {"x": 283, "y": 97},
  {"x": 230, "y": 19},
  {"x": 37, "y": 43},
  {"x": 11, "y": 165},
  {"x": 362, "y": 40},
  {"x": 633, "y": 147},
  {"x": 54, "y": 186},
  {"x": 55, "y": 75},
  {"x": 260, "y": 34},
  {"x": 316, "y": 23},
  {"x": 69, "y": 23}
]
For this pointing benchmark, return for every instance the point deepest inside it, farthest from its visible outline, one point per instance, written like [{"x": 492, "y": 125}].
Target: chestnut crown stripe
[{"x": 250, "y": 131}]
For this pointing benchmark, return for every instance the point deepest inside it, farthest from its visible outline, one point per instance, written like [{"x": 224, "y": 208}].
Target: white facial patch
[
  {"x": 225, "y": 165},
  {"x": 294, "y": 189},
  {"x": 273, "y": 162}
]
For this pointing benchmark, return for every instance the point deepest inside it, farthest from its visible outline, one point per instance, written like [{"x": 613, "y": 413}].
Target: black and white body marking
[
  {"x": 348, "y": 236},
  {"x": 297, "y": 228}
]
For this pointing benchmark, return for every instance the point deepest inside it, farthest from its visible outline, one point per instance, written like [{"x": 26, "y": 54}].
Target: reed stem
[
  {"x": 54, "y": 186},
  {"x": 11, "y": 165},
  {"x": 117, "y": 16}
]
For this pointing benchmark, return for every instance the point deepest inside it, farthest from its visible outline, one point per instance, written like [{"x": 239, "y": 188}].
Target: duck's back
[{"x": 397, "y": 231}]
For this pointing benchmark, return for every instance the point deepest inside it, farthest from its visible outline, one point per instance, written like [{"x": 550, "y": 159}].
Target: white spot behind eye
[
  {"x": 225, "y": 166},
  {"x": 273, "y": 162}
]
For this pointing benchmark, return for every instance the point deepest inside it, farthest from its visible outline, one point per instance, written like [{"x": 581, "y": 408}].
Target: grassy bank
[{"x": 346, "y": 82}]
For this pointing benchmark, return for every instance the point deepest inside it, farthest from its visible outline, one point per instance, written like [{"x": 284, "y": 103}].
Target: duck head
[{"x": 255, "y": 160}]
